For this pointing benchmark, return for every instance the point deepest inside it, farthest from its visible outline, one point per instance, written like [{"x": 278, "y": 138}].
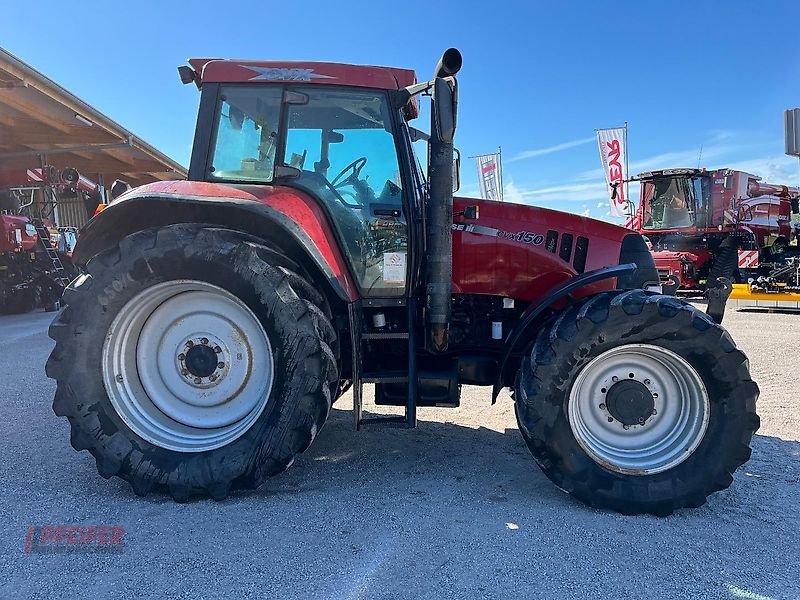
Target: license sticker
[{"x": 394, "y": 267}]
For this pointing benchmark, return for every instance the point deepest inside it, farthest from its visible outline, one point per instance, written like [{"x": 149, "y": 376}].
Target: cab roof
[{"x": 215, "y": 70}]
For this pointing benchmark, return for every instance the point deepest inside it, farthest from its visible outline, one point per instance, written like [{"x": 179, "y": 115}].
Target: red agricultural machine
[
  {"x": 35, "y": 264},
  {"x": 723, "y": 223},
  {"x": 217, "y": 319}
]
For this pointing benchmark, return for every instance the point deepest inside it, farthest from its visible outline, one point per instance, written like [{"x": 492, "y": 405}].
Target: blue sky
[{"x": 538, "y": 77}]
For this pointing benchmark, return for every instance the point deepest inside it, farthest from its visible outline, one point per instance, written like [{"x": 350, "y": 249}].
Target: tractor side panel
[{"x": 522, "y": 252}]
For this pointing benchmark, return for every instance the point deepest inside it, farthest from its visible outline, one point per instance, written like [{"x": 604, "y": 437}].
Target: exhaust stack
[{"x": 439, "y": 235}]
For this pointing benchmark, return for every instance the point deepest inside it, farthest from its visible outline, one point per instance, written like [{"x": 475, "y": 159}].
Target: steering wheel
[{"x": 340, "y": 180}]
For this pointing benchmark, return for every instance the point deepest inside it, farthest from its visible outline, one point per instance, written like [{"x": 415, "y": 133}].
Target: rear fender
[{"x": 296, "y": 227}]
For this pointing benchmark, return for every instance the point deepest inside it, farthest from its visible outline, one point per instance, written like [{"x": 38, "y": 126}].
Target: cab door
[{"x": 342, "y": 142}]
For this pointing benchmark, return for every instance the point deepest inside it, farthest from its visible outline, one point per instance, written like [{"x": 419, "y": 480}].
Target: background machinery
[
  {"x": 40, "y": 213},
  {"x": 217, "y": 319},
  {"x": 722, "y": 223}
]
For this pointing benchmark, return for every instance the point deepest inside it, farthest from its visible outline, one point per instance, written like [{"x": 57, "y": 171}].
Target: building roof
[{"x": 39, "y": 118}]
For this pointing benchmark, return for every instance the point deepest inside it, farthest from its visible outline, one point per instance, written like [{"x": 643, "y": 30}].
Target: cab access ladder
[{"x": 408, "y": 374}]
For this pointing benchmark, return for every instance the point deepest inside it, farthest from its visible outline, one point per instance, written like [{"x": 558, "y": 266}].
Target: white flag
[
  {"x": 612, "y": 155},
  {"x": 489, "y": 176}
]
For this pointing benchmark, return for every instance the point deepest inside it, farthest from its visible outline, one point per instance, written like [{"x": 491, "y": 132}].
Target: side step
[{"x": 409, "y": 419}]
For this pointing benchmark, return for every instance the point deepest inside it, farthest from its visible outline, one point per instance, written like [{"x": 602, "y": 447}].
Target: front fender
[
  {"x": 528, "y": 319},
  {"x": 284, "y": 218}
]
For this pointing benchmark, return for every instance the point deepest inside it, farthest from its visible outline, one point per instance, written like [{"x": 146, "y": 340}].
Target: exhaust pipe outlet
[{"x": 449, "y": 64}]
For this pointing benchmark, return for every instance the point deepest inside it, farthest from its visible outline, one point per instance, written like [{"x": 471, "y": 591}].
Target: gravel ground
[{"x": 454, "y": 509}]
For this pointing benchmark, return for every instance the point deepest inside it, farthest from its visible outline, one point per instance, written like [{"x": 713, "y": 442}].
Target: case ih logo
[
  {"x": 56, "y": 539},
  {"x": 286, "y": 74}
]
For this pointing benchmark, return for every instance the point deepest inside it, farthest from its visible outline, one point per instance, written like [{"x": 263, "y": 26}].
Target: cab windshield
[{"x": 674, "y": 202}]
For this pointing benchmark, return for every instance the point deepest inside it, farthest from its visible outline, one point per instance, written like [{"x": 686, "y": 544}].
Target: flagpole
[
  {"x": 500, "y": 160},
  {"x": 627, "y": 169}
]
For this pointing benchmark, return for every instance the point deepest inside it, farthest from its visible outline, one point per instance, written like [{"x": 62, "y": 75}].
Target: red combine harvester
[
  {"x": 219, "y": 318},
  {"x": 35, "y": 264},
  {"x": 724, "y": 223}
]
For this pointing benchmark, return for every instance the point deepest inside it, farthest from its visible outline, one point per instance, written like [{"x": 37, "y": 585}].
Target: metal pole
[
  {"x": 627, "y": 166},
  {"x": 500, "y": 160}
]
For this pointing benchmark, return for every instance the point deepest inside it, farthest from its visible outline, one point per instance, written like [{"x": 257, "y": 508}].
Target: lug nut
[
  {"x": 625, "y": 426},
  {"x": 641, "y": 420},
  {"x": 615, "y": 378},
  {"x": 204, "y": 341},
  {"x": 655, "y": 412},
  {"x": 184, "y": 372},
  {"x": 217, "y": 349},
  {"x": 213, "y": 377},
  {"x": 602, "y": 406},
  {"x": 610, "y": 419},
  {"x": 198, "y": 380},
  {"x": 181, "y": 356},
  {"x": 189, "y": 344},
  {"x": 655, "y": 395},
  {"x": 603, "y": 390},
  {"x": 647, "y": 382},
  {"x": 220, "y": 365},
  {"x": 630, "y": 375}
]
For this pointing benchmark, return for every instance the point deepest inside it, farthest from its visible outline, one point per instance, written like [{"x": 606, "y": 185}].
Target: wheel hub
[
  {"x": 201, "y": 361},
  {"x": 630, "y": 402}
]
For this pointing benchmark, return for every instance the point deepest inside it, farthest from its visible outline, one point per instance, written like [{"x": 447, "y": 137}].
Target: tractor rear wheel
[
  {"x": 636, "y": 402},
  {"x": 186, "y": 360}
]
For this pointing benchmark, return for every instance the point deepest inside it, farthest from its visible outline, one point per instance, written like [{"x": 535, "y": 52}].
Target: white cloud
[
  {"x": 551, "y": 149},
  {"x": 772, "y": 169},
  {"x": 512, "y": 193},
  {"x": 587, "y": 212}
]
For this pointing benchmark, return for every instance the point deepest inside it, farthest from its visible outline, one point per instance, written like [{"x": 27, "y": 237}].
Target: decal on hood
[{"x": 526, "y": 237}]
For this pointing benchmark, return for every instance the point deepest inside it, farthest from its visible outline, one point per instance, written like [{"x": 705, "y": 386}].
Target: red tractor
[
  {"x": 709, "y": 224},
  {"x": 217, "y": 319}
]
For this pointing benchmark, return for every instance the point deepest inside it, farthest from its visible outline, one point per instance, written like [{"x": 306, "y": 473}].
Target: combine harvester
[{"x": 705, "y": 225}]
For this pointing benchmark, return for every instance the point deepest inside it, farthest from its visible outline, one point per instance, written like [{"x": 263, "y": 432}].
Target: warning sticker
[{"x": 394, "y": 267}]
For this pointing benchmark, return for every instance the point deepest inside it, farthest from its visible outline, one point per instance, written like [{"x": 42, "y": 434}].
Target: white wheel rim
[
  {"x": 187, "y": 366},
  {"x": 667, "y": 437}
]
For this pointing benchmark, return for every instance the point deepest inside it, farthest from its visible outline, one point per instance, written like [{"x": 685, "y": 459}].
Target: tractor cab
[{"x": 337, "y": 132}]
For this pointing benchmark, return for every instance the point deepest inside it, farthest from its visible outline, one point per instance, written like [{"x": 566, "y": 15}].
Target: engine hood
[{"x": 521, "y": 251}]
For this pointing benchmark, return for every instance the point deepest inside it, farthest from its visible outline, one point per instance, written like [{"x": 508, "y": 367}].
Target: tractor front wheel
[
  {"x": 188, "y": 359},
  {"x": 636, "y": 402}
]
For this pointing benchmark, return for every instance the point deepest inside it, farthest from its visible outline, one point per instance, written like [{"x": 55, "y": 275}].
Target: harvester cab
[{"x": 218, "y": 319}]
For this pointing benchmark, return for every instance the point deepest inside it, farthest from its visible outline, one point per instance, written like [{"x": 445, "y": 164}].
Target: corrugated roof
[{"x": 39, "y": 117}]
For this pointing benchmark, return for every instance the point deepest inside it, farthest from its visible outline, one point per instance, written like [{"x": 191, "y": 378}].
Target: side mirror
[
  {"x": 445, "y": 102},
  {"x": 456, "y": 171},
  {"x": 118, "y": 188}
]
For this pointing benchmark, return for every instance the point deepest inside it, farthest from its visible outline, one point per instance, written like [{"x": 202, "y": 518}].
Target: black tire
[
  {"x": 19, "y": 302},
  {"x": 585, "y": 330},
  {"x": 305, "y": 367}
]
